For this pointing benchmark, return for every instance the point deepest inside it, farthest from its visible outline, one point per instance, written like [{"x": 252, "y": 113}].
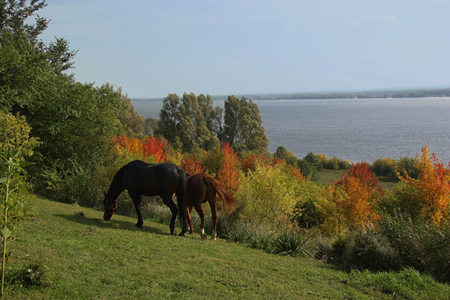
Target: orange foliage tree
[
  {"x": 432, "y": 186},
  {"x": 228, "y": 174},
  {"x": 351, "y": 201},
  {"x": 360, "y": 185},
  {"x": 154, "y": 146},
  {"x": 149, "y": 147}
]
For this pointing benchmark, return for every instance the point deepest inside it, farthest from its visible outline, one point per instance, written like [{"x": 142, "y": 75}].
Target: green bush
[
  {"x": 370, "y": 250},
  {"x": 401, "y": 200},
  {"x": 397, "y": 243},
  {"x": 385, "y": 167},
  {"x": 307, "y": 215},
  {"x": 339, "y": 248},
  {"x": 419, "y": 244},
  {"x": 308, "y": 169},
  {"x": 268, "y": 195},
  {"x": 409, "y": 165}
]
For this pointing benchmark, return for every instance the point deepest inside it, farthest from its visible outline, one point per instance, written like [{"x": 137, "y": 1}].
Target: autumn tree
[
  {"x": 228, "y": 174},
  {"x": 430, "y": 194},
  {"x": 351, "y": 201},
  {"x": 150, "y": 147}
]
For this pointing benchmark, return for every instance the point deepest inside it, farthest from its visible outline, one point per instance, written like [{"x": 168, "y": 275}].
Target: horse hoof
[
  {"x": 181, "y": 233},
  {"x": 213, "y": 239},
  {"x": 174, "y": 232},
  {"x": 204, "y": 237},
  {"x": 139, "y": 225}
]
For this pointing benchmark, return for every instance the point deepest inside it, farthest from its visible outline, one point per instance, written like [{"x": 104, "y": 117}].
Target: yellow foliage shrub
[{"x": 268, "y": 195}]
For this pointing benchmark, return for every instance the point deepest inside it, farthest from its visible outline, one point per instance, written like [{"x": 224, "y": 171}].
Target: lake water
[{"x": 353, "y": 129}]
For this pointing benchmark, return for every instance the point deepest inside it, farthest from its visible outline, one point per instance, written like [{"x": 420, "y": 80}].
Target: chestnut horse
[
  {"x": 201, "y": 187},
  {"x": 140, "y": 178}
]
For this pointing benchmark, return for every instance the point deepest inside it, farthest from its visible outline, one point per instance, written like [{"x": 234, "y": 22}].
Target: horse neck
[{"x": 115, "y": 188}]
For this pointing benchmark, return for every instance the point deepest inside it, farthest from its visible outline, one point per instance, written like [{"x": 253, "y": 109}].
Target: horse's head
[{"x": 110, "y": 207}]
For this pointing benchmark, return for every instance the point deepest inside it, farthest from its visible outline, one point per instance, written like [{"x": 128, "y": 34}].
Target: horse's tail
[
  {"x": 181, "y": 194},
  {"x": 227, "y": 198}
]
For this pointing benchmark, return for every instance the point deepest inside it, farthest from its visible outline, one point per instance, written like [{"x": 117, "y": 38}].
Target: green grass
[
  {"x": 329, "y": 176},
  {"x": 84, "y": 257}
]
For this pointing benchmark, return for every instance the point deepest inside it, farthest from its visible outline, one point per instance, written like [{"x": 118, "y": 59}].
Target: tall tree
[
  {"x": 169, "y": 118},
  {"x": 74, "y": 121},
  {"x": 243, "y": 126},
  {"x": 191, "y": 121},
  {"x": 213, "y": 115},
  {"x": 187, "y": 127}
]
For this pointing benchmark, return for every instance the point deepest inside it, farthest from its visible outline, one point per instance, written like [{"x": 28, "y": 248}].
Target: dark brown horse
[
  {"x": 201, "y": 188},
  {"x": 140, "y": 178}
]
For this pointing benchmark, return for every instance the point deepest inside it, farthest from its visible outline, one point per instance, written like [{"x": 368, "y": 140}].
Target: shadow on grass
[{"x": 113, "y": 224}]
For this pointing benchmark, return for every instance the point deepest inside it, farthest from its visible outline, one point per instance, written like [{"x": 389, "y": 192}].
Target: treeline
[
  {"x": 407, "y": 93},
  {"x": 193, "y": 123}
]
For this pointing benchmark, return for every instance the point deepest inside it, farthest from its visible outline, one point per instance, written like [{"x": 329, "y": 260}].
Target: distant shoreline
[{"x": 407, "y": 93}]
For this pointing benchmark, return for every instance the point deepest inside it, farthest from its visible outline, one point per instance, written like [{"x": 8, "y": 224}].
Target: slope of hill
[{"x": 65, "y": 253}]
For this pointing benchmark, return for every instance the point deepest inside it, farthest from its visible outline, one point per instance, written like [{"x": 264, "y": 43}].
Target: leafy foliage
[
  {"x": 150, "y": 147},
  {"x": 351, "y": 201},
  {"x": 191, "y": 164},
  {"x": 12, "y": 212},
  {"x": 243, "y": 126},
  {"x": 432, "y": 186},
  {"x": 228, "y": 173},
  {"x": 15, "y": 134},
  {"x": 190, "y": 123},
  {"x": 384, "y": 167},
  {"x": 268, "y": 195},
  {"x": 73, "y": 121}
]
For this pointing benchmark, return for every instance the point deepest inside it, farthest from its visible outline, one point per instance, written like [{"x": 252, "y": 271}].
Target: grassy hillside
[{"x": 84, "y": 257}]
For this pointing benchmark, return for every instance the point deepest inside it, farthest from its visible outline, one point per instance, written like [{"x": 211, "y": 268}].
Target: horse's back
[{"x": 151, "y": 179}]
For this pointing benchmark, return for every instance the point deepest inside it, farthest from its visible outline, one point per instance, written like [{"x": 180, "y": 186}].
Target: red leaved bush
[{"x": 191, "y": 164}]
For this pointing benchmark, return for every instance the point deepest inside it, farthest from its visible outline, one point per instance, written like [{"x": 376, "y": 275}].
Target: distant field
[
  {"x": 84, "y": 257},
  {"x": 328, "y": 176}
]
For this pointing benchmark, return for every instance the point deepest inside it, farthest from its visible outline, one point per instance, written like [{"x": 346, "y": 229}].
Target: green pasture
[
  {"x": 329, "y": 176},
  {"x": 68, "y": 252}
]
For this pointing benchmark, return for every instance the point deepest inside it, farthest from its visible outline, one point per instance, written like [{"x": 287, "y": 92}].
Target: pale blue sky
[{"x": 155, "y": 47}]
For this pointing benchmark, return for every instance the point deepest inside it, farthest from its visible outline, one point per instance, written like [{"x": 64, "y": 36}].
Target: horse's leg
[
  {"x": 174, "y": 209},
  {"x": 212, "y": 204},
  {"x": 191, "y": 228},
  {"x": 201, "y": 213},
  {"x": 137, "y": 204}
]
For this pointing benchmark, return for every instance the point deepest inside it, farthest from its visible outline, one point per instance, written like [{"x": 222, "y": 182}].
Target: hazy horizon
[{"x": 216, "y": 47}]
